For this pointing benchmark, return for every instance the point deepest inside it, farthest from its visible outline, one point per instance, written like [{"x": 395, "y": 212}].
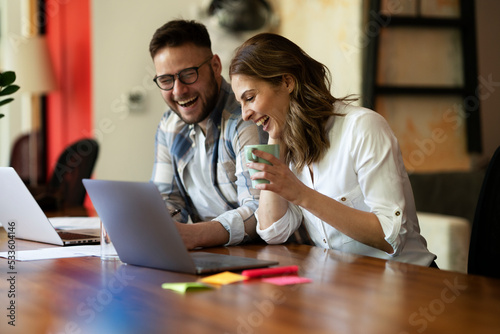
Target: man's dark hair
[{"x": 177, "y": 33}]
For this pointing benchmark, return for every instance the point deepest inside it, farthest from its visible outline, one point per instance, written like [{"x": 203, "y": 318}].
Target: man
[{"x": 199, "y": 166}]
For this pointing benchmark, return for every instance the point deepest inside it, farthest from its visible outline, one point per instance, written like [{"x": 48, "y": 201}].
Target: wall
[
  {"x": 121, "y": 34},
  {"x": 17, "y": 119},
  {"x": 332, "y": 33}
]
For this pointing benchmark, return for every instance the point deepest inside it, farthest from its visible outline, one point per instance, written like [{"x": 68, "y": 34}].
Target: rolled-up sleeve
[
  {"x": 281, "y": 230},
  {"x": 233, "y": 223}
]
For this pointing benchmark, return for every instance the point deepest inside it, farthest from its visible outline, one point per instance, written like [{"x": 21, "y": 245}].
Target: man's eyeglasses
[{"x": 187, "y": 76}]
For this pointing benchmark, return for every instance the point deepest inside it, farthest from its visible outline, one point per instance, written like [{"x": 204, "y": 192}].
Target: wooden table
[{"x": 349, "y": 294}]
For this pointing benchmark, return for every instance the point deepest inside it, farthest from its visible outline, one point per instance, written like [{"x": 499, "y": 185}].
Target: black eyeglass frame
[{"x": 178, "y": 75}]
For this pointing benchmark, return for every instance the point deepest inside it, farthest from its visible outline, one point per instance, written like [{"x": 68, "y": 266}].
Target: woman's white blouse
[{"x": 363, "y": 169}]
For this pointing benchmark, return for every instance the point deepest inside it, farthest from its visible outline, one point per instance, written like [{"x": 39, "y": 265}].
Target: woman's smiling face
[{"x": 262, "y": 103}]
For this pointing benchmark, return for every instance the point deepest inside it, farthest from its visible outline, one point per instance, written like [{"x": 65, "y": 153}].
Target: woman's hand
[{"x": 282, "y": 181}]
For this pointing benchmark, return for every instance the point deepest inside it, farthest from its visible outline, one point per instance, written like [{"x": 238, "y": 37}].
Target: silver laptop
[
  {"x": 144, "y": 234},
  {"x": 21, "y": 215}
]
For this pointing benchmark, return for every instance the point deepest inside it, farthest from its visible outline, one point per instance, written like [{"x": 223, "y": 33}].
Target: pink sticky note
[{"x": 286, "y": 280}]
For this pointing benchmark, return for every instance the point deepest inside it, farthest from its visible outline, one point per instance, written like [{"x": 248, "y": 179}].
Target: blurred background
[{"x": 101, "y": 81}]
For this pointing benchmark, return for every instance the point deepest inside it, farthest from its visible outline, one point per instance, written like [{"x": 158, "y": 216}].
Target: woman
[{"x": 340, "y": 169}]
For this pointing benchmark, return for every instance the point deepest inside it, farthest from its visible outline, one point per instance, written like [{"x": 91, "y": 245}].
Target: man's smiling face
[{"x": 194, "y": 102}]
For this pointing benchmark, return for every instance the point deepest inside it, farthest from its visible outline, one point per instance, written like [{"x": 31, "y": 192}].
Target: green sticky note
[{"x": 184, "y": 287}]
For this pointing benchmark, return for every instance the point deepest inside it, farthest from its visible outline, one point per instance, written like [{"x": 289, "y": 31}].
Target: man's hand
[{"x": 203, "y": 234}]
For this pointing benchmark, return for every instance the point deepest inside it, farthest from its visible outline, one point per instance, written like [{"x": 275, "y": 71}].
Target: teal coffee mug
[{"x": 273, "y": 149}]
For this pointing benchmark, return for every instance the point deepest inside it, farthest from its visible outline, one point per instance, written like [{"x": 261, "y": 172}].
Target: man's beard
[{"x": 208, "y": 107}]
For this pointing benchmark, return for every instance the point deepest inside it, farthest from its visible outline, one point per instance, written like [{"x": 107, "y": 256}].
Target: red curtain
[{"x": 69, "y": 109}]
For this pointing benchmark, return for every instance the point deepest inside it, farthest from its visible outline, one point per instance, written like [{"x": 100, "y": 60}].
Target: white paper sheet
[
  {"x": 75, "y": 222},
  {"x": 56, "y": 253}
]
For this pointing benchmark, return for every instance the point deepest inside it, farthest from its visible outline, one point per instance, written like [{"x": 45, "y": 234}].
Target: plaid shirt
[{"x": 226, "y": 136}]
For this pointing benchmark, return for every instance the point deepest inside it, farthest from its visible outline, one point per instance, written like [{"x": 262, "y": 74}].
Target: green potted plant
[{"x": 7, "y": 87}]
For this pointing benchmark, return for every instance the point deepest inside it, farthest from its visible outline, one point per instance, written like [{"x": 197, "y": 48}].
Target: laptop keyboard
[{"x": 74, "y": 236}]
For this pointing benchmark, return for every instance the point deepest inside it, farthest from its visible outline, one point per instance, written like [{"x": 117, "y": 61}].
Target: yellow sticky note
[
  {"x": 183, "y": 287},
  {"x": 223, "y": 278}
]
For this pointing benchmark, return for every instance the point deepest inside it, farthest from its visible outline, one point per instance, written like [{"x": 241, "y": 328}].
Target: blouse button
[
  {"x": 397, "y": 213},
  {"x": 343, "y": 199},
  {"x": 324, "y": 240}
]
